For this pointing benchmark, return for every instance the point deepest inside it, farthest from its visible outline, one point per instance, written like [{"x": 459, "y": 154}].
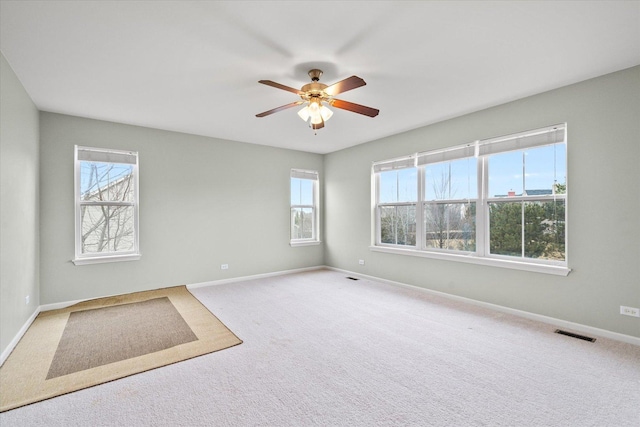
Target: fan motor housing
[{"x": 314, "y": 88}]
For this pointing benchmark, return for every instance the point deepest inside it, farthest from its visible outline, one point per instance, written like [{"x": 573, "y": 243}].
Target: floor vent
[
  {"x": 352, "y": 278},
  {"x": 571, "y": 334}
]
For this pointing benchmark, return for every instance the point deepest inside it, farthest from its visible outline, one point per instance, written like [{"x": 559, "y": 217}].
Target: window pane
[
  {"x": 505, "y": 228},
  {"x": 544, "y": 224},
  {"x": 398, "y": 225},
  {"x": 456, "y": 179},
  {"x": 399, "y": 186},
  {"x": 302, "y": 223},
  {"x": 106, "y": 181},
  {"x": 306, "y": 192},
  {"x": 301, "y": 191},
  {"x": 107, "y": 229},
  {"x": 295, "y": 191},
  {"x": 505, "y": 174},
  {"x": 121, "y": 183},
  {"x": 450, "y": 226},
  {"x": 544, "y": 167}
]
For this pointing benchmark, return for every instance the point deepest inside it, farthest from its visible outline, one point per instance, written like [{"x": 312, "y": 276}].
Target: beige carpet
[{"x": 101, "y": 340}]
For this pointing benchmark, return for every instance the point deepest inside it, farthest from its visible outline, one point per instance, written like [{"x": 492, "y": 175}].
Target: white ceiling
[{"x": 194, "y": 66}]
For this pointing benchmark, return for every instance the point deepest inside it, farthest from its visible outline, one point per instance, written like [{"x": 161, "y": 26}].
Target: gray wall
[
  {"x": 18, "y": 206},
  {"x": 603, "y": 117},
  {"x": 203, "y": 202}
]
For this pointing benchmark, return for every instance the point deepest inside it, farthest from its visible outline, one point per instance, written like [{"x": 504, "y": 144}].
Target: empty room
[{"x": 320, "y": 213}]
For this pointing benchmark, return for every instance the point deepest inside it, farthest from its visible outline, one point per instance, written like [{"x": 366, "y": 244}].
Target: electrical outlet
[
  {"x": 224, "y": 267},
  {"x": 361, "y": 261},
  {"x": 27, "y": 299},
  {"x": 629, "y": 311}
]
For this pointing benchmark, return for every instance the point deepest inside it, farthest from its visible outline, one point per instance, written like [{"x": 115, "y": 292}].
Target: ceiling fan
[{"x": 316, "y": 94}]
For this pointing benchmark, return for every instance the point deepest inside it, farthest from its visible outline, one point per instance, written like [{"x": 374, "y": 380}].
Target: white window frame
[
  {"x": 107, "y": 156},
  {"x": 315, "y": 227},
  {"x": 400, "y": 163},
  {"x": 481, "y": 150}
]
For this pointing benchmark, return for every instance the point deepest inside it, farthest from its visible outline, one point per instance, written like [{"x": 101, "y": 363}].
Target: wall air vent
[{"x": 571, "y": 334}]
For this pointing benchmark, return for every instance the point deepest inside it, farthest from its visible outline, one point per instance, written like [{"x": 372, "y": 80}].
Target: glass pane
[
  {"x": 302, "y": 223},
  {"x": 399, "y": 186},
  {"x": 544, "y": 168},
  {"x": 121, "y": 229},
  {"x": 107, "y": 229},
  {"x": 301, "y": 191},
  {"x": 544, "y": 226},
  {"x": 505, "y": 174},
  {"x": 295, "y": 191},
  {"x": 456, "y": 179},
  {"x": 398, "y": 225},
  {"x": 464, "y": 179},
  {"x": 306, "y": 192},
  {"x": 450, "y": 226},
  {"x": 121, "y": 183},
  {"x": 505, "y": 228},
  {"x": 106, "y": 181}
]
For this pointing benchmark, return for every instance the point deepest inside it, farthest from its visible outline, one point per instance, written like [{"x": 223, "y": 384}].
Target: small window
[
  {"x": 106, "y": 198},
  {"x": 304, "y": 207}
]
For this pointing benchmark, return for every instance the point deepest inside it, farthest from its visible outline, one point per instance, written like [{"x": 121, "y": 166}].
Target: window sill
[
  {"x": 557, "y": 270},
  {"x": 296, "y": 243},
  {"x": 104, "y": 259}
]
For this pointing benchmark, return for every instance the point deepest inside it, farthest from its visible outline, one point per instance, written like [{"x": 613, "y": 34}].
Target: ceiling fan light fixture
[
  {"x": 325, "y": 113},
  {"x": 315, "y": 113},
  {"x": 304, "y": 113}
]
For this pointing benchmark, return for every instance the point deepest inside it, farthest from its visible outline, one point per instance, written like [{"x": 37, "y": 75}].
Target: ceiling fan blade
[
  {"x": 279, "y": 86},
  {"x": 344, "y": 85},
  {"x": 275, "y": 110},
  {"x": 356, "y": 108}
]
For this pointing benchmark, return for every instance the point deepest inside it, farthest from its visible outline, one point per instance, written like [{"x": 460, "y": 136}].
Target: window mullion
[
  {"x": 482, "y": 207},
  {"x": 378, "y": 223},
  {"x": 420, "y": 244}
]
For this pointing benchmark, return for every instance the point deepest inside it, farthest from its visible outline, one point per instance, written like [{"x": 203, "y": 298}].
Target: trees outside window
[
  {"x": 106, "y": 204},
  {"x": 397, "y": 197},
  {"x": 502, "y": 198}
]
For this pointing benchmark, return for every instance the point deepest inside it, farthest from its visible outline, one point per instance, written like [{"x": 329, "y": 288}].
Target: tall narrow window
[
  {"x": 450, "y": 199},
  {"x": 106, "y": 198},
  {"x": 304, "y": 207},
  {"x": 397, "y": 197}
]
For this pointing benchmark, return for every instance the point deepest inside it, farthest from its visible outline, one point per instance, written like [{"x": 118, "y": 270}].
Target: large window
[
  {"x": 304, "y": 207},
  {"x": 106, "y": 199},
  {"x": 499, "y": 201}
]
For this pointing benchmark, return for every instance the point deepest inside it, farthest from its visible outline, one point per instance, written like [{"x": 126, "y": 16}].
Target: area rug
[{"x": 105, "y": 339}]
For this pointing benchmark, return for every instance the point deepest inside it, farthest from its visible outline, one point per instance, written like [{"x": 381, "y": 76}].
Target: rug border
[{"x": 138, "y": 297}]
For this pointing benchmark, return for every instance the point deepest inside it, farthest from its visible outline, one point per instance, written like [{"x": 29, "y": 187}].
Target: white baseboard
[
  {"x": 14, "y": 342},
  {"x": 527, "y": 315},
  {"x": 256, "y": 276}
]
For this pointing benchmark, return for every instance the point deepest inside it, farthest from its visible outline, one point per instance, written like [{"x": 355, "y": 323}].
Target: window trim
[
  {"x": 98, "y": 258},
  {"x": 481, "y": 255},
  {"x": 313, "y": 176}
]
